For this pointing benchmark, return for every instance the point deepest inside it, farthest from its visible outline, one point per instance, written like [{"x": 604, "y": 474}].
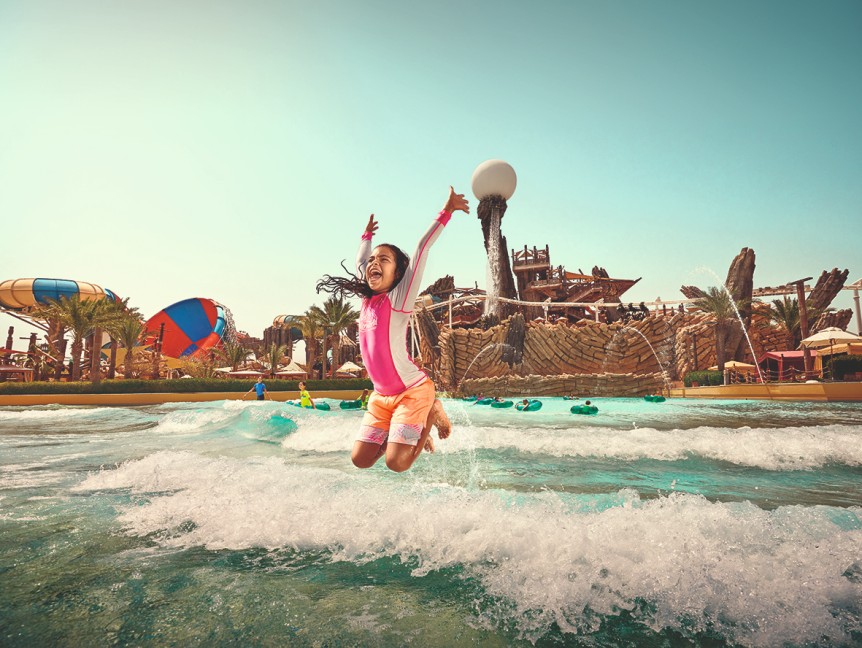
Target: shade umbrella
[
  {"x": 829, "y": 336},
  {"x": 349, "y": 367},
  {"x": 292, "y": 370},
  {"x": 733, "y": 364}
]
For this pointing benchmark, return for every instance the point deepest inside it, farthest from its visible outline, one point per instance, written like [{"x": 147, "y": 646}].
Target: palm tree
[
  {"x": 115, "y": 329},
  {"x": 717, "y": 302},
  {"x": 56, "y": 344},
  {"x": 130, "y": 333},
  {"x": 82, "y": 318},
  {"x": 335, "y": 316},
  {"x": 274, "y": 354},
  {"x": 312, "y": 331},
  {"x": 785, "y": 313},
  {"x": 233, "y": 353}
]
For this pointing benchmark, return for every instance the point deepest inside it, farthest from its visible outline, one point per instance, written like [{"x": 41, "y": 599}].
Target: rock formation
[
  {"x": 507, "y": 280},
  {"x": 441, "y": 288},
  {"x": 740, "y": 284},
  {"x": 828, "y": 285},
  {"x": 513, "y": 352},
  {"x": 691, "y": 292},
  {"x": 839, "y": 319},
  {"x": 429, "y": 336}
]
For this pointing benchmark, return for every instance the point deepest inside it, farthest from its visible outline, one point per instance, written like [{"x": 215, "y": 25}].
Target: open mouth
[{"x": 375, "y": 274}]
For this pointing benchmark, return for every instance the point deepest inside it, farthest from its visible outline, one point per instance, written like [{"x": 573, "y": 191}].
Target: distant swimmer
[
  {"x": 258, "y": 387},
  {"x": 305, "y": 399},
  {"x": 403, "y": 407}
]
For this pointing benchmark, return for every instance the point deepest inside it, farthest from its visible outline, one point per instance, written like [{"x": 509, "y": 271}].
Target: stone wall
[{"x": 670, "y": 343}]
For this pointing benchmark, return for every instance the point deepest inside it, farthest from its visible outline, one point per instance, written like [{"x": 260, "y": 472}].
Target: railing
[
  {"x": 527, "y": 257},
  {"x": 737, "y": 377},
  {"x": 553, "y": 305}
]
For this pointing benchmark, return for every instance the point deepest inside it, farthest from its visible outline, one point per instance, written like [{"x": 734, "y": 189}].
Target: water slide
[
  {"x": 18, "y": 294},
  {"x": 191, "y": 327}
]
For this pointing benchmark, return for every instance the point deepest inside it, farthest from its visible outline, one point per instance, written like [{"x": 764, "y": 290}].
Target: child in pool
[
  {"x": 305, "y": 399},
  {"x": 403, "y": 408}
]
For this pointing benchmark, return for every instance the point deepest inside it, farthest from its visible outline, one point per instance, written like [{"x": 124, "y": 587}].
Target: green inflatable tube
[
  {"x": 532, "y": 406},
  {"x": 323, "y": 407},
  {"x": 484, "y": 401},
  {"x": 502, "y": 404},
  {"x": 654, "y": 399},
  {"x": 584, "y": 409},
  {"x": 354, "y": 404}
]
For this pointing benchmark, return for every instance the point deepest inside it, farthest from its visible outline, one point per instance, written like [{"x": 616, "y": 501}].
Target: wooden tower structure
[{"x": 538, "y": 281}]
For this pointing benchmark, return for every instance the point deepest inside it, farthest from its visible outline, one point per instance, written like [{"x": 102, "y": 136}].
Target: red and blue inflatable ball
[{"x": 192, "y": 326}]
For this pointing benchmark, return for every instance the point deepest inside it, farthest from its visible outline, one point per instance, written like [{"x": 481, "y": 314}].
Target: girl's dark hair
[{"x": 354, "y": 285}]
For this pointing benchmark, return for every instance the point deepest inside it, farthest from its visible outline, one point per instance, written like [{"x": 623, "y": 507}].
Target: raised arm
[
  {"x": 365, "y": 246},
  {"x": 404, "y": 294}
]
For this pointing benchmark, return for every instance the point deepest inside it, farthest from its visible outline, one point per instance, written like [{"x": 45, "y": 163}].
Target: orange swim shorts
[{"x": 399, "y": 418}]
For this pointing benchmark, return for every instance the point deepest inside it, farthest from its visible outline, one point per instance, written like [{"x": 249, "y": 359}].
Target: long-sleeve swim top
[{"x": 384, "y": 318}]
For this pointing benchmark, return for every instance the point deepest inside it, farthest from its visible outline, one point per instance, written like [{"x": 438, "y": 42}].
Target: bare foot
[
  {"x": 429, "y": 444},
  {"x": 441, "y": 421}
]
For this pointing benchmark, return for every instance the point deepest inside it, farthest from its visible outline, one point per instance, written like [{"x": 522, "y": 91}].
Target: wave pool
[{"x": 682, "y": 523}]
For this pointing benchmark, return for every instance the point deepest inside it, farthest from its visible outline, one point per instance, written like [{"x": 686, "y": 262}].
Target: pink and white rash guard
[{"x": 384, "y": 318}]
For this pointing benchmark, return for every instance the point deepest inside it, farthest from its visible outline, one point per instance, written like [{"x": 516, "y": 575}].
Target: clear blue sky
[{"x": 234, "y": 150}]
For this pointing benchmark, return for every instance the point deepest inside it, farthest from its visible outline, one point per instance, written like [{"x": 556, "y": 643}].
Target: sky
[{"x": 231, "y": 150}]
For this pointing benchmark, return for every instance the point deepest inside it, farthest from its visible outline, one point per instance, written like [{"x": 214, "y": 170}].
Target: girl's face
[{"x": 380, "y": 271}]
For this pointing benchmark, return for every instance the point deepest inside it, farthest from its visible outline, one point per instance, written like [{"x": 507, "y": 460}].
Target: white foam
[
  {"x": 322, "y": 432},
  {"x": 29, "y": 475},
  {"x": 759, "y": 577},
  {"x": 195, "y": 420},
  {"x": 47, "y": 415},
  {"x": 789, "y": 448}
]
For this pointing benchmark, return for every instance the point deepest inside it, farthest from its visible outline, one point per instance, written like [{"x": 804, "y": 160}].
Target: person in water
[
  {"x": 364, "y": 400},
  {"x": 403, "y": 408},
  {"x": 258, "y": 387},
  {"x": 305, "y": 399}
]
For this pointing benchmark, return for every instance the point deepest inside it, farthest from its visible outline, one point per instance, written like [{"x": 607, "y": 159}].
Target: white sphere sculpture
[{"x": 494, "y": 178}]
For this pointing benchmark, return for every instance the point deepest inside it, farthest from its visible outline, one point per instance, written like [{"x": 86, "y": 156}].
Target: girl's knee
[
  {"x": 362, "y": 462},
  {"x": 398, "y": 464}
]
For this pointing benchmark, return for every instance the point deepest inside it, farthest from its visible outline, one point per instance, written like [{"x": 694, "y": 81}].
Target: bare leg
[
  {"x": 399, "y": 456},
  {"x": 438, "y": 419},
  {"x": 366, "y": 454}
]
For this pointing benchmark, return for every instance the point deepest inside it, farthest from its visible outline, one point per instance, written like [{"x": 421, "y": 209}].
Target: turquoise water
[{"x": 682, "y": 523}]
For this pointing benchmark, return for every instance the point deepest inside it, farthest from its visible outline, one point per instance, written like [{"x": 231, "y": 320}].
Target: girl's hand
[
  {"x": 456, "y": 202},
  {"x": 372, "y": 225}
]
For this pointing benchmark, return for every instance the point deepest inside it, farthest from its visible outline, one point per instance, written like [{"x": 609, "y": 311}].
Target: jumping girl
[{"x": 403, "y": 407}]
